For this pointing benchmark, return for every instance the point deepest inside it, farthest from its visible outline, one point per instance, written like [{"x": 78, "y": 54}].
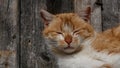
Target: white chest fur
[
  {"x": 88, "y": 58},
  {"x": 78, "y": 61}
]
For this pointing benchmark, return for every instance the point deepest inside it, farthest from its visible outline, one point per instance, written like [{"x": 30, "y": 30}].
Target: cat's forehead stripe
[{"x": 67, "y": 27}]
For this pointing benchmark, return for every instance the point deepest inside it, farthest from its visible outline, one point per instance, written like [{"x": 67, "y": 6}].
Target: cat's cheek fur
[{"x": 60, "y": 37}]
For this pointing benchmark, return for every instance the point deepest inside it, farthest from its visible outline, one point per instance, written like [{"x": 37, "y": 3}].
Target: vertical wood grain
[
  {"x": 34, "y": 53},
  {"x": 110, "y": 13},
  {"x": 80, "y": 5},
  {"x": 96, "y": 18},
  {"x": 60, "y": 6},
  {"x": 9, "y": 33}
]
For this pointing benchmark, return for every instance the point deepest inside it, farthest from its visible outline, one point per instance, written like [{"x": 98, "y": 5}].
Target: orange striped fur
[{"x": 69, "y": 34}]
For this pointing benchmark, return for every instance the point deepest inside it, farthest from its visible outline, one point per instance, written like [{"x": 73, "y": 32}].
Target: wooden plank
[
  {"x": 119, "y": 9},
  {"x": 96, "y": 18},
  {"x": 60, "y": 6},
  {"x": 95, "y": 13},
  {"x": 110, "y": 13},
  {"x": 9, "y": 33},
  {"x": 81, "y": 5},
  {"x": 34, "y": 53}
]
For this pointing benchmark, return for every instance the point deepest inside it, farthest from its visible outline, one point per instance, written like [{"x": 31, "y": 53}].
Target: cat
[
  {"x": 77, "y": 45},
  {"x": 114, "y": 32}
]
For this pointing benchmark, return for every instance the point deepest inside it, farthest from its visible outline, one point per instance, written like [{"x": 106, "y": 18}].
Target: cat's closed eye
[
  {"x": 76, "y": 32},
  {"x": 59, "y": 33}
]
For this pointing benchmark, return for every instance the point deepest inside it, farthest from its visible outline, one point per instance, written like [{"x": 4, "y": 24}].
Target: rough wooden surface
[
  {"x": 34, "y": 53},
  {"x": 9, "y": 33},
  {"x": 110, "y": 13},
  {"x": 81, "y": 5},
  {"x": 96, "y": 19},
  {"x": 60, "y": 6}
]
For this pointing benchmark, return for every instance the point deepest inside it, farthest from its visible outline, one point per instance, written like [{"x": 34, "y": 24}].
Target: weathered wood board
[
  {"x": 34, "y": 53},
  {"x": 9, "y": 33},
  {"x": 60, "y": 6},
  {"x": 110, "y": 13}
]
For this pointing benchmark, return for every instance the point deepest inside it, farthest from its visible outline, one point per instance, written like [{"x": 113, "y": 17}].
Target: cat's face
[{"x": 66, "y": 32}]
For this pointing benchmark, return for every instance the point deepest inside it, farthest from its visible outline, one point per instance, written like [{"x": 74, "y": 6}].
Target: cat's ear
[
  {"x": 46, "y": 16},
  {"x": 86, "y": 13}
]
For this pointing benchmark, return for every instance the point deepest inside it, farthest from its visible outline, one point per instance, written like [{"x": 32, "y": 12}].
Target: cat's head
[{"x": 65, "y": 31}]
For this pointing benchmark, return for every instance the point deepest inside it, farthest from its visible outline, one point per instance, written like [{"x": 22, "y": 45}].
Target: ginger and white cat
[{"x": 76, "y": 45}]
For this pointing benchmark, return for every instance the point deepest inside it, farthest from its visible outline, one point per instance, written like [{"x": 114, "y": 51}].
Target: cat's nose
[{"x": 68, "y": 39}]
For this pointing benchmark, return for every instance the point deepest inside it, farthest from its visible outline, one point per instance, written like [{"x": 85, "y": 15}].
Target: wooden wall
[{"x": 21, "y": 42}]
